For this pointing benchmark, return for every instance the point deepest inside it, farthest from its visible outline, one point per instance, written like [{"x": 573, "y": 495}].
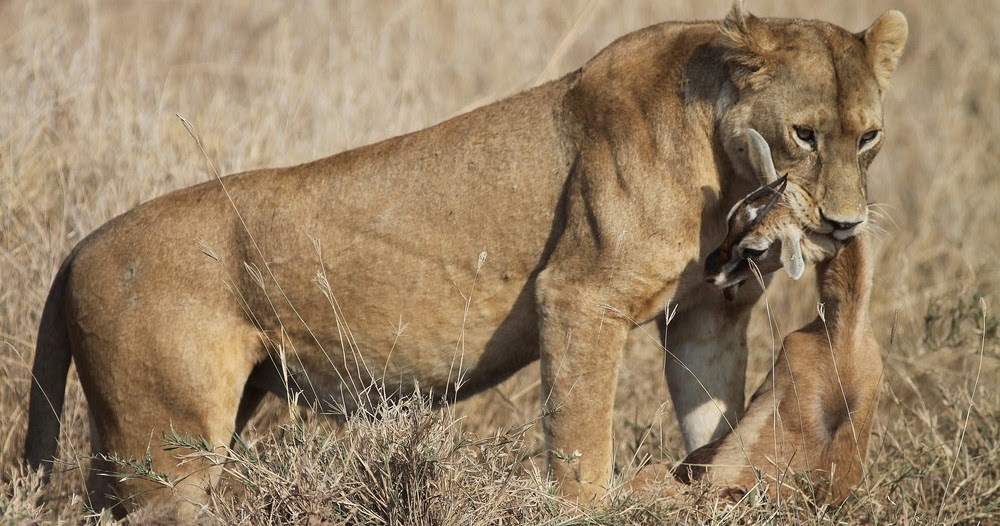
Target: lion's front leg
[
  {"x": 581, "y": 347},
  {"x": 706, "y": 365}
]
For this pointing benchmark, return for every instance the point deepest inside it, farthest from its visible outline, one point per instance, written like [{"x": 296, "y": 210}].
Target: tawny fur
[
  {"x": 807, "y": 427},
  {"x": 607, "y": 187}
]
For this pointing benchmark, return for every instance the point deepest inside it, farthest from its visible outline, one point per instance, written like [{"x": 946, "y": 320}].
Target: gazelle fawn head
[{"x": 756, "y": 222}]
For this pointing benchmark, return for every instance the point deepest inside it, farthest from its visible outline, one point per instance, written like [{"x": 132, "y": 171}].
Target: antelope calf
[{"x": 811, "y": 418}]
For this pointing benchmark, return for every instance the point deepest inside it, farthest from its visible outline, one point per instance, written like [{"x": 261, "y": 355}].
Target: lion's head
[{"x": 814, "y": 91}]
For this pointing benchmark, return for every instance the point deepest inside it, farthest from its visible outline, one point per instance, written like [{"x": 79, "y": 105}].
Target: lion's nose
[{"x": 838, "y": 225}]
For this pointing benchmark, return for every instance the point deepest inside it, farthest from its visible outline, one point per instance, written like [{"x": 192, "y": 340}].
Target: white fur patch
[
  {"x": 700, "y": 423},
  {"x": 711, "y": 387},
  {"x": 844, "y": 235}
]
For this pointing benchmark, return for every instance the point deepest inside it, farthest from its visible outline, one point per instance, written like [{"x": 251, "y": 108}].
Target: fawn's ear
[
  {"x": 760, "y": 156},
  {"x": 791, "y": 253}
]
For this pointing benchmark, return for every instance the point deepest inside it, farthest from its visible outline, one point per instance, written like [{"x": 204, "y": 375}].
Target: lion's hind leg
[{"x": 162, "y": 383}]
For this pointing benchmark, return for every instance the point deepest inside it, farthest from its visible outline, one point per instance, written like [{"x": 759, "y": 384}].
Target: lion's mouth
[
  {"x": 817, "y": 223},
  {"x": 845, "y": 234},
  {"x": 840, "y": 234}
]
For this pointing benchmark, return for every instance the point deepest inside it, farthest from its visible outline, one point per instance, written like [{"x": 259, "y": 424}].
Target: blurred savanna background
[{"x": 89, "y": 93}]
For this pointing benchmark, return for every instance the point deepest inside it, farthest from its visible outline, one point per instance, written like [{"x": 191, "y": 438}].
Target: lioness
[{"x": 595, "y": 198}]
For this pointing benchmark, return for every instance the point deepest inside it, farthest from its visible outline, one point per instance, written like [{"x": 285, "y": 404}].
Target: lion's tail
[{"x": 48, "y": 386}]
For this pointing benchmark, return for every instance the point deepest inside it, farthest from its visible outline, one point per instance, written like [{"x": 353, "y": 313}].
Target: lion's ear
[
  {"x": 748, "y": 44},
  {"x": 885, "y": 40}
]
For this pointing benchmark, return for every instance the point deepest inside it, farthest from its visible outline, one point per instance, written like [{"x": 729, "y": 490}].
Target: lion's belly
[
  {"x": 341, "y": 365},
  {"x": 404, "y": 324}
]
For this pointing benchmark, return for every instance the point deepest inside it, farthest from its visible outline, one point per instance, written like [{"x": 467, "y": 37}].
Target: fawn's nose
[
  {"x": 715, "y": 263},
  {"x": 837, "y": 224}
]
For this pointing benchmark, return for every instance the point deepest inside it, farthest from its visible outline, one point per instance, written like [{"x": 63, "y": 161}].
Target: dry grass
[{"x": 87, "y": 131}]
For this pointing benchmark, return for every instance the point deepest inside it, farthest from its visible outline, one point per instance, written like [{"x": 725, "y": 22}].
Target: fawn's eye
[
  {"x": 867, "y": 139},
  {"x": 805, "y": 136},
  {"x": 754, "y": 252}
]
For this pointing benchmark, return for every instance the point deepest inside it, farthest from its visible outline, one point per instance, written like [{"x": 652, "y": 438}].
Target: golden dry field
[{"x": 89, "y": 93}]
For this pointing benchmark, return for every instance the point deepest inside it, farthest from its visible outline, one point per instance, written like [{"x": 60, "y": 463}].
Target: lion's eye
[
  {"x": 754, "y": 252},
  {"x": 806, "y": 135},
  {"x": 867, "y": 138}
]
